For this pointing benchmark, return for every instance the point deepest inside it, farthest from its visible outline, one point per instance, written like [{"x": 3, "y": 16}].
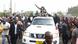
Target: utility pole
[
  {"x": 10, "y": 7},
  {"x": 4, "y": 9}
]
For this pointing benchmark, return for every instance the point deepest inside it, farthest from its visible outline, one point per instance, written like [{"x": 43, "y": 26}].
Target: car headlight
[{"x": 26, "y": 34}]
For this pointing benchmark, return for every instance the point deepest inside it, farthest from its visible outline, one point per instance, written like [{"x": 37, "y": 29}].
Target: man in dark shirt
[
  {"x": 48, "y": 38},
  {"x": 63, "y": 28},
  {"x": 56, "y": 18},
  {"x": 43, "y": 11},
  {"x": 74, "y": 35},
  {"x": 75, "y": 32}
]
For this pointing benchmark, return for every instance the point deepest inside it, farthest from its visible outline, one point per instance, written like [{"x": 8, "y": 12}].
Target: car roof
[{"x": 44, "y": 17}]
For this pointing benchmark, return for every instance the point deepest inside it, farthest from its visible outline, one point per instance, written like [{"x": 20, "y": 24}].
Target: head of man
[
  {"x": 42, "y": 8},
  {"x": 48, "y": 37},
  {"x": 4, "y": 21},
  {"x": 17, "y": 19}
]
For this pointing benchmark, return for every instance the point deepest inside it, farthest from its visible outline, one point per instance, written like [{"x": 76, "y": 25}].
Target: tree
[
  {"x": 60, "y": 13},
  {"x": 73, "y": 11},
  {"x": 29, "y": 13}
]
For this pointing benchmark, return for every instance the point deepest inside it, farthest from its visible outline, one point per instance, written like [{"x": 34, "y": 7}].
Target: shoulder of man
[{"x": 44, "y": 42}]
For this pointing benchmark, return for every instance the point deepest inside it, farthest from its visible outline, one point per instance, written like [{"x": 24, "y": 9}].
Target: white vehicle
[{"x": 35, "y": 32}]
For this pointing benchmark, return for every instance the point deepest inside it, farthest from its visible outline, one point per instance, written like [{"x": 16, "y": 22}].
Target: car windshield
[{"x": 40, "y": 21}]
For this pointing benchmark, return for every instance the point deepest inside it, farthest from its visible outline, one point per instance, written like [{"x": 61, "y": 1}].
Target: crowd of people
[
  {"x": 68, "y": 28},
  {"x": 12, "y": 27}
]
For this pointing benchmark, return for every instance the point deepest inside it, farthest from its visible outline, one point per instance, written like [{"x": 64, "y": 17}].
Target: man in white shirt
[{"x": 5, "y": 32}]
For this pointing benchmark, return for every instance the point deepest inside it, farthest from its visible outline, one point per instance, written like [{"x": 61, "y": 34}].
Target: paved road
[
  {"x": 18, "y": 41},
  {"x": 61, "y": 42}
]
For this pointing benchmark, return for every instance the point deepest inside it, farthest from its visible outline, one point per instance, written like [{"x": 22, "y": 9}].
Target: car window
[{"x": 40, "y": 21}]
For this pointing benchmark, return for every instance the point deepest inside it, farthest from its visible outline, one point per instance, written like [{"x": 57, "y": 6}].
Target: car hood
[{"x": 41, "y": 29}]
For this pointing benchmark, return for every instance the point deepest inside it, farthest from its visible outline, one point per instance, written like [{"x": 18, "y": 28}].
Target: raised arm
[{"x": 37, "y": 6}]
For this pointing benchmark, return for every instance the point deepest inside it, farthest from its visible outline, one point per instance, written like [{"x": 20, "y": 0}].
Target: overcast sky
[{"x": 27, "y": 5}]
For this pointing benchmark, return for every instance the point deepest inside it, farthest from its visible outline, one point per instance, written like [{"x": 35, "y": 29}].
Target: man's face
[
  {"x": 17, "y": 18},
  {"x": 48, "y": 37}
]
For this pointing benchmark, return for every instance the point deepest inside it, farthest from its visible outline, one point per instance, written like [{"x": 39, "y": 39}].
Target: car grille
[{"x": 39, "y": 36}]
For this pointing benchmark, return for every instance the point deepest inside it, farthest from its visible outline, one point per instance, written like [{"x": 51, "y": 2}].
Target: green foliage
[
  {"x": 4, "y": 14},
  {"x": 73, "y": 11},
  {"x": 29, "y": 13},
  {"x": 60, "y": 13}
]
